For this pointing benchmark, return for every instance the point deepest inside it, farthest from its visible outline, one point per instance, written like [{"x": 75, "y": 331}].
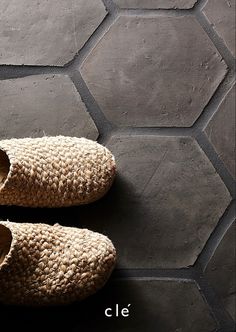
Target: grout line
[
  {"x": 199, "y": 5},
  {"x": 217, "y": 41},
  {"x": 13, "y": 72},
  {"x": 216, "y": 236},
  {"x": 156, "y": 12},
  {"x": 214, "y": 103},
  {"x": 103, "y": 125},
  {"x": 221, "y": 316},
  {"x": 110, "y": 6},
  {"x": 184, "y": 274},
  {"x": 148, "y": 131},
  {"x": 190, "y": 275},
  {"x": 219, "y": 166},
  {"x": 92, "y": 41},
  {"x": 157, "y": 131}
]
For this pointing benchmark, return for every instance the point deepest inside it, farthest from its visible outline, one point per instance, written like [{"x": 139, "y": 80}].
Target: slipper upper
[
  {"x": 47, "y": 265},
  {"x": 55, "y": 171}
]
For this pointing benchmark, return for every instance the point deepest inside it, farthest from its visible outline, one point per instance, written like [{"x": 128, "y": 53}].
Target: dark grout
[
  {"x": 156, "y": 12},
  {"x": 110, "y": 6},
  {"x": 92, "y": 41},
  {"x": 11, "y": 72},
  {"x": 214, "y": 103},
  {"x": 199, "y": 5},
  {"x": 157, "y": 131},
  {"x": 218, "y": 164},
  {"x": 184, "y": 274},
  {"x": 222, "y": 317},
  {"x": 217, "y": 41},
  {"x": 103, "y": 125},
  {"x": 215, "y": 238}
]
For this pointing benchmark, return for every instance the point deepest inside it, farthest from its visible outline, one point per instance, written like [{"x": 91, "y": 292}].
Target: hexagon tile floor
[{"x": 154, "y": 81}]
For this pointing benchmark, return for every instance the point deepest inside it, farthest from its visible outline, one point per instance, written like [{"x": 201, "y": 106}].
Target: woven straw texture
[
  {"x": 51, "y": 265},
  {"x": 54, "y": 171}
]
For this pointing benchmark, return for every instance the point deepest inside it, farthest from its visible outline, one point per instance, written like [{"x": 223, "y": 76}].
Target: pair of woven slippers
[{"x": 51, "y": 265}]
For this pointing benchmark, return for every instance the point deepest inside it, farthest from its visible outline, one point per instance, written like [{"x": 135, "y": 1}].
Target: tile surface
[
  {"x": 43, "y": 105},
  {"x": 41, "y": 32},
  {"x": 137, "y": 81}
]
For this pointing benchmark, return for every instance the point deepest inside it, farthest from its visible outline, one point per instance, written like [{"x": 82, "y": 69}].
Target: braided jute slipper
[
  {"x": 52, "y": 265},
  {"x": 54, "y": 171}
]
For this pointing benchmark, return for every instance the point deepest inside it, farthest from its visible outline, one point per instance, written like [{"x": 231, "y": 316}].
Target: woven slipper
[
  {"x": 54, "y": 171},
  {"x": 51, "y": 265}
]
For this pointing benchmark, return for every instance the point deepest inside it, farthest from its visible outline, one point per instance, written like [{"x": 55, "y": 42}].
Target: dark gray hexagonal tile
[
  {"x": 221, "y": 131},
  {"x": 156, "y": 4},
  {"x": 221, "y": 271},
  {"x": 140, "y": 79},
  {"x": 40, "y": 32},
  {"x": 221, "y": 15},
  {"x": 43, "y": 105},
  {"x": 164, "y": 204}
]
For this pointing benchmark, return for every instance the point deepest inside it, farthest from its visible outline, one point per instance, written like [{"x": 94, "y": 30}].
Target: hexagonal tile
[
  {"x": 167, "y": 198},
  {"x": 43, "y": 105},
  {"x": 41, "y": 32},
  {"x": 221, "y": 15},
  {"x": 223, "y": 136},
  {"x": 156, "y": 4},
  {"x": 221, "y": 271},
  {"x": 140, "y": 79}
]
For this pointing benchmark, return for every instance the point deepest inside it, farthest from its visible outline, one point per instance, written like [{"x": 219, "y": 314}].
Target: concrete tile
[
  {"x": 41, "y": 32},
  {"x": 221, "y": 131},
  {"x": 139, "y": 79},
  {"x": 43, "y": 105}
]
